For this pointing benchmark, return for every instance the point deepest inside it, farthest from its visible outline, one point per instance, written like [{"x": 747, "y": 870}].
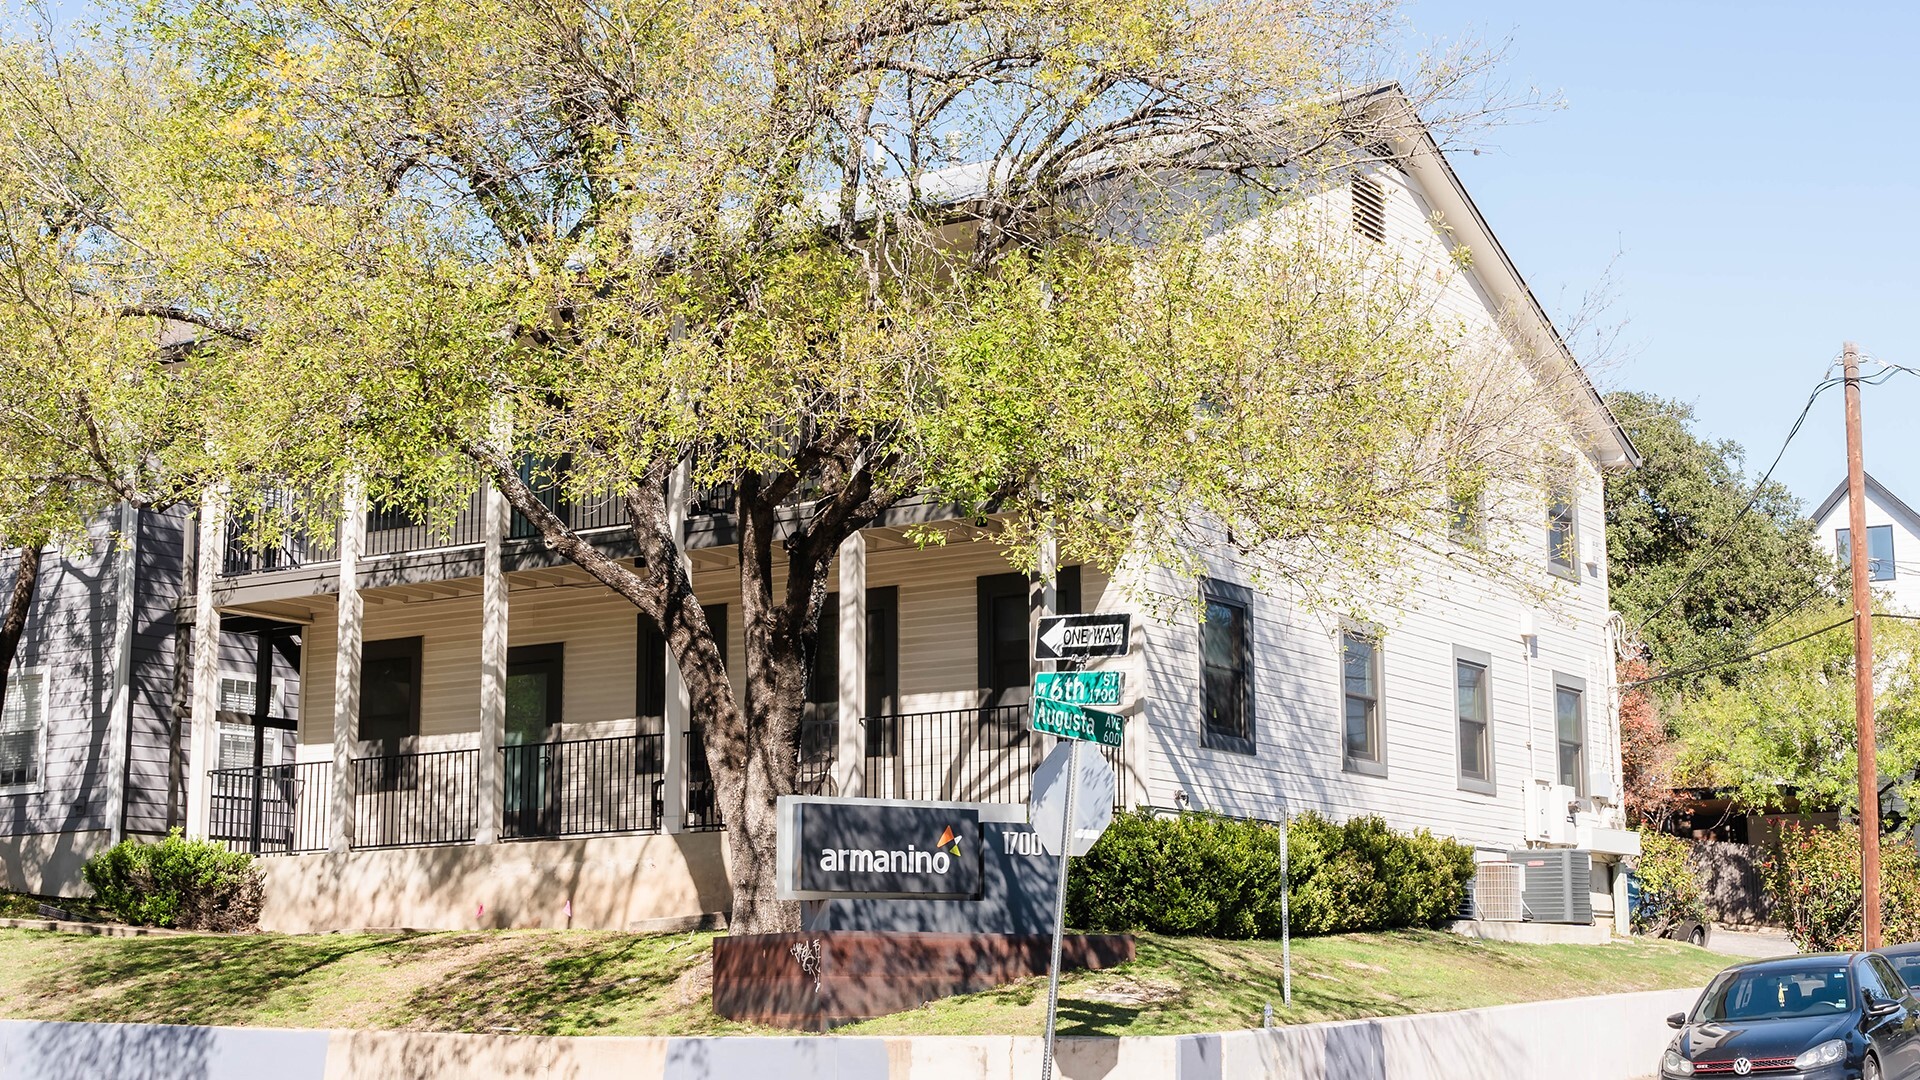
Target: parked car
[
  {"x": 1905, "y": 960},
  {"x": 1830, "y": 1016},
  {"x": 1652, "y": 919}
]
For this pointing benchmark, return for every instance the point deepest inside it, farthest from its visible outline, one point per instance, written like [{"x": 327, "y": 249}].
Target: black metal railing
[
  {"x": 272, "y": 810},
  {"x": 278, "y": 535},
  {"x": 413, "y": 800},
  {"x": 464, "y": 524},
  {"x": 581, "y": 787},
  {"x": 819, "y": 750},
  {"x": 965, "y": 755},
  {"x": 700, "y": 797}
]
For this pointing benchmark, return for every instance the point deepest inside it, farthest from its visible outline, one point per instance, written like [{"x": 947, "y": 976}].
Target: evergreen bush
[
  {"x": 188, "y": 884},
  {"x": 1814, "y": 876},
  {"x": 1203, "y": 874}
]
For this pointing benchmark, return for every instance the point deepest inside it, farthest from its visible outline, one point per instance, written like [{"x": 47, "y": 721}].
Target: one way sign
[{"x": 1063, "y": 636}]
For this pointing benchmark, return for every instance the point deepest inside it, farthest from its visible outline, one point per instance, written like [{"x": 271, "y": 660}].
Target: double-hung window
[
  {"x": 1226, "y": 676},
  {"x": 1364, "y": 740},
  {"x": 1563, "y": 529},
  {"x": 1879, "y": 551},
  {"x": 23, "y": 732},
  {"x": 1473, "y": 716},
  {"x": 1570, "y": 726}
]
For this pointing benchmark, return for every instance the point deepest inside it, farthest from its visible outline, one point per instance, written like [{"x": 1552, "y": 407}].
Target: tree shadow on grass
[
  {"x": 573, "y": 986},
  {"x": 188, "y": 980}
]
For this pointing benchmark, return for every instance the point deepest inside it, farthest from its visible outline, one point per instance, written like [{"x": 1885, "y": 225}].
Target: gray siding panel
[{"x": 155, "y": 797}]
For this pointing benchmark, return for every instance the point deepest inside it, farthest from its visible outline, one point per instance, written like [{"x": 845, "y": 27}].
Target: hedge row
[
  {"x": 1220, "y": 877},
  {"x": 1814, "y": 876}
]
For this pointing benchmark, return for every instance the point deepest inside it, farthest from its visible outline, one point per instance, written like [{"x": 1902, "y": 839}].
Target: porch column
[
  {"x": 203, "y": 739},
  {"x": 493, "y": 669},
  {"x": 850, "y": 758},
  {"x": 346, "y": 663},
  {"x": 673, "y": 742},
  {"x": 120, "y": 709}
]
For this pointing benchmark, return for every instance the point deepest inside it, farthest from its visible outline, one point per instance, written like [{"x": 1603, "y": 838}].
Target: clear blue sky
[{"x": 1752, "y": 165}]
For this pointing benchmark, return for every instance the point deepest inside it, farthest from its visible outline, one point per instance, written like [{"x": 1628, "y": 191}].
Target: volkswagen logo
[{"x": 1741, "y": 1066}]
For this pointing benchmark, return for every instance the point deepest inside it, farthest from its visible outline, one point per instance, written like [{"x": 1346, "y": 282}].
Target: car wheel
[
  {"x": 1871, "y": 1069},
  {"x": 1698, "y": 937}
]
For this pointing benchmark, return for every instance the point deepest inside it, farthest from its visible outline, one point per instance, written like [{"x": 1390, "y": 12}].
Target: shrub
[
  {"x": 1220, "y": 877},
  {"x": 1814, "y": 876},
  {"x": 191, "y": 884},
  {"x": 1669, "y": 889}
]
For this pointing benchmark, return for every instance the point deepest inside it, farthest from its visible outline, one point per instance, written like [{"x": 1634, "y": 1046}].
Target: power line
[
  {"x": 1700, "y": 560},
  {"x": 1757, "y": 653}
]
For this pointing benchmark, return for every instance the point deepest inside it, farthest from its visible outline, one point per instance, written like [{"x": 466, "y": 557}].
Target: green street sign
[
  {"x": 1074, "y": 722},
  {"x": 1079, "y": 687}
]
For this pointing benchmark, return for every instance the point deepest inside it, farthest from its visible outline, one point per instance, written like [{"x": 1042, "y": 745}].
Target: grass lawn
[{"x": 605, "y": 983}]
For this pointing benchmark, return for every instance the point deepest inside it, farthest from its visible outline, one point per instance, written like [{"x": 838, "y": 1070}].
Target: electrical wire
[
  {"x": 1759, "y": 488},
  {"x": 1737, "y": 660}
]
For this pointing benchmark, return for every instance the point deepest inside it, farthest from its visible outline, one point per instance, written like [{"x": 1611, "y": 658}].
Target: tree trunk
[{"x": 19, "y": 603}]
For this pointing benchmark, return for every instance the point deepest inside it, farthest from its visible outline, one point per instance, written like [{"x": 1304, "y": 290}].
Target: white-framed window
[
  {"x": 23, "y": 732},
  {"x": 1363, "y": 736},
  {"x": 237, "y": 696}
]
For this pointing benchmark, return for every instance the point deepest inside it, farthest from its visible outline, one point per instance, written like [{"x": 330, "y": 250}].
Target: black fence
[
  {"x": 819, "y": 750},
  {"x": 390, "y": 531},
  {"x": 280, "y": 535},
  {"x": 963, "y": 755},
  {"x": 582, "y": 787},
  {"x": 413, "y": 800},
  {"x": 272, "y": 810},
  {"x": 701, "y": 796}
]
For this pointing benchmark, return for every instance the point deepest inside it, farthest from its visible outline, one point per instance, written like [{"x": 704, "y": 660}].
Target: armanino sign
[{"x": 870, "y": 848}]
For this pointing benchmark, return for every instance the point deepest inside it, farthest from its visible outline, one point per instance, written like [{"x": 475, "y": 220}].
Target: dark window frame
[
  {"x": 1376, "y": 763},
  {"x": 1240, "y": 598},
  {"x": 1878, "y": 569},
  {"x": 1481, "y": 784},
  {"x": 1573, "y": 684},
  {"x": 406, "y": 648},
  {"x": 1563, "y": 517},
  {"x": 553, "y": 657}
]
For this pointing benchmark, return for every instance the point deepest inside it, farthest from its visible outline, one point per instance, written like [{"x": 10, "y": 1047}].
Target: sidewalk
[{"x": 1750, "y": 942}]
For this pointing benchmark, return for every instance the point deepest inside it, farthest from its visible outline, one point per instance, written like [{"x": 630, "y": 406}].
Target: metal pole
[
  {"x": 1862, "y": 657},
  {"x": 1060, "y": 907},
  {"x": 1286, "y": 917}
]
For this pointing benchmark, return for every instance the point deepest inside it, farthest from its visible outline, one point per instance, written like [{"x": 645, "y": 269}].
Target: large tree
[
  {"x": 1052, "y": 262},
  {"x": 1701, "y": 556}
]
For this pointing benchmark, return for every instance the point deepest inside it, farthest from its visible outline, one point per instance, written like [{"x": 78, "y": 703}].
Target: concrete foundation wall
[
  {"x": 613, "y": 883},
  {"x": 1605, "y": 1038},
  {"x": 48, "y": 864}
]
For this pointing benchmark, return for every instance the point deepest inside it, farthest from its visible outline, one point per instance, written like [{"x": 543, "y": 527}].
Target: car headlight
[
  {"x": 1831, "y": 1052},
  {"x": 1676, "y": 1064}
]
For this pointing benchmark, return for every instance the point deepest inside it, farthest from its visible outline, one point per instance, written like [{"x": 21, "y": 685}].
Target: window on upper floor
[
  {"x": 1879, "y": 551},
  {"x": 1370, "y": 208},
  {"x": 1363, "y": 738},
  {"x": 23, "y": 732},
  {"x": 1563, "y": 528},
  {"x": 1570, "y": 726}
]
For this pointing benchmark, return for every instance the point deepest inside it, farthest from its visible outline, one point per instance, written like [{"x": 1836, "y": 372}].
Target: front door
[{"x": 532, "y": 757}]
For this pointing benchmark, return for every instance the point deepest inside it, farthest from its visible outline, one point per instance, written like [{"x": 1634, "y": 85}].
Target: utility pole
[{"x": 1862, "y": 658}]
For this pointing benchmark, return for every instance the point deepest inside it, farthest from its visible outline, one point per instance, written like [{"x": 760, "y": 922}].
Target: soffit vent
[{"x": 1369, "y": 209}]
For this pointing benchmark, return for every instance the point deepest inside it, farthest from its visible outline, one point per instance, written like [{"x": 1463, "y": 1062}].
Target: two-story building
[
  {"x": 1893, "y": 530},
  {"x": 353, "y": 748}
]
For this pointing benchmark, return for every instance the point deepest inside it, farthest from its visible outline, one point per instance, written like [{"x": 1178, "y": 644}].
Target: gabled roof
[
  {"x": 1422, "y": 157},
  {"x": 1875, "y": 491}
]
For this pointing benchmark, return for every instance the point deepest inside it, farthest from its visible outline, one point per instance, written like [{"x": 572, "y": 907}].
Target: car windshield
[
  {"x": 1908, "y": 966},
  {"x": 1774, "y": 993}
]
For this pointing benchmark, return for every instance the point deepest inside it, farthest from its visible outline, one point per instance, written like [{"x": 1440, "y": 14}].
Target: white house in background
[{"x": 1893, "y": 541}]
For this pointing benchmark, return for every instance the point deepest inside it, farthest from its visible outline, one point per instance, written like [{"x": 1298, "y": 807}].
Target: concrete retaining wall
[
  {"x": 1600, "y": 1038},
  {"x": 611, "y": 882}
]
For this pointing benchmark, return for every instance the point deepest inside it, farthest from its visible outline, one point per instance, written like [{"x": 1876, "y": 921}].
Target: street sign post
[
  {"x": 1071, "y": 637},
  {"x": 1073, "y": 828}
]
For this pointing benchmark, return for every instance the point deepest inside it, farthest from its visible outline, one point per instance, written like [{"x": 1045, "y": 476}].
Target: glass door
[{"x": 532, "y": 756}]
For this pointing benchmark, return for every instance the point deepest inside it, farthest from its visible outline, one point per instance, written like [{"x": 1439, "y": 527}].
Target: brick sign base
[{"x": 810, "y": 982}]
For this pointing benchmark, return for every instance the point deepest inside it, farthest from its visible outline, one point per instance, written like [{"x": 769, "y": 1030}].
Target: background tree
[
  {"x": 1788, "y": 722},
  {"x": 1011, "y": 256},
  {"x": 1696, "y": 578}
]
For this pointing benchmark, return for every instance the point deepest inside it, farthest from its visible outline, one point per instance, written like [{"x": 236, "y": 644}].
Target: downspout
[{"x": 119, "y": 736}]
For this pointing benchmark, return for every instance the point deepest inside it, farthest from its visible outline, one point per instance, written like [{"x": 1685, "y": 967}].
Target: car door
[
  {"x": 1903, "y": 1027},
  {"x": 1890, "y": 1033}
]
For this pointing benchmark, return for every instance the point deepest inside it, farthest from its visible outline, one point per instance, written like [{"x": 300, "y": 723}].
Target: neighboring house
[
  {"x": 1893, "y": 535},
  {"x": 403, "y": 796}
]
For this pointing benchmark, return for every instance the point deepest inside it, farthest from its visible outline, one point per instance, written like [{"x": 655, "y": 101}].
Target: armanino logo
[{"x": 868, "y": 849}]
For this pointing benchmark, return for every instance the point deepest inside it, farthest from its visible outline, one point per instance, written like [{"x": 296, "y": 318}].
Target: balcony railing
[
  {"x": 983, "y": 754},
  {"x": 583, "y": 787},
  {"x": 272, "y": 810},
  {"x": 414, "y": 800}
]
